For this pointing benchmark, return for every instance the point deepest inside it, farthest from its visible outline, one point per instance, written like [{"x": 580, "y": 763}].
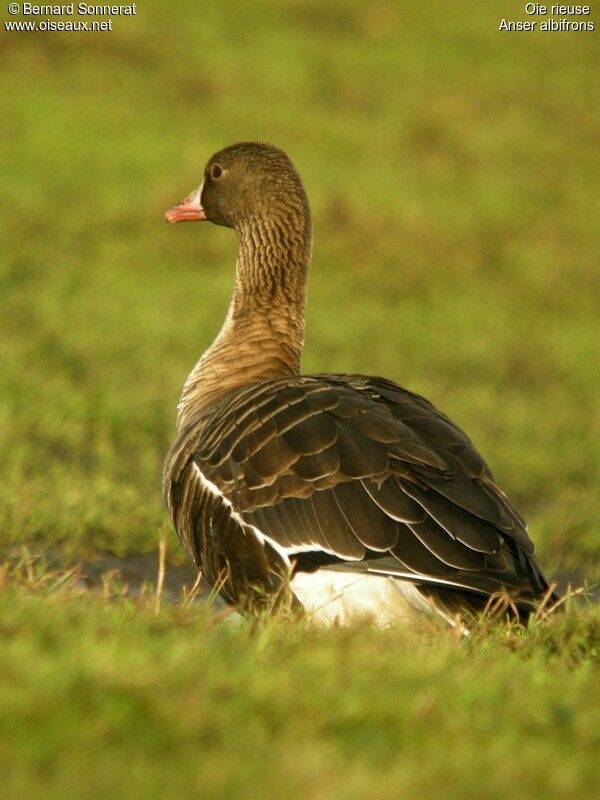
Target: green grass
[
  {"x": 453, "y": 173},
  {"x": 106, "y": 697}
]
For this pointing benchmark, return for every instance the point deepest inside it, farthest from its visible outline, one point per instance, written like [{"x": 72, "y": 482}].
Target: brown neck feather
[{"x": 263, "y": 334}]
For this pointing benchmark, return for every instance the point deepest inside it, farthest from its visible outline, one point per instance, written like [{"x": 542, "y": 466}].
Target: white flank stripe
[
  {"x": 216, "y": 492},
  {"x": 284, "y": 552}
]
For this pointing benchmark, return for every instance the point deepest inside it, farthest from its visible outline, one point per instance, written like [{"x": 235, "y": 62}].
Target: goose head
[{"x": 245, "y": 182}]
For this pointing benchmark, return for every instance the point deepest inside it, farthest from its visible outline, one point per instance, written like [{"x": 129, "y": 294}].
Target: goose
[{"x": 346, "y": 495}]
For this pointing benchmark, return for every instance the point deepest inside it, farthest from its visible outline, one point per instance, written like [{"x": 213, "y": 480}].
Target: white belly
[{"x": 339, "y": 598}]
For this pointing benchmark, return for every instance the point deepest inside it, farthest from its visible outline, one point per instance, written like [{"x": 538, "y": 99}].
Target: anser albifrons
[{"x": 279, "y": 481}]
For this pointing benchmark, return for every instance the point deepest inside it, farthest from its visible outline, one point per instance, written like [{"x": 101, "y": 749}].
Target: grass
[
  {"x": 453, "y": 174},
  {"x": 106, "y": 696}
]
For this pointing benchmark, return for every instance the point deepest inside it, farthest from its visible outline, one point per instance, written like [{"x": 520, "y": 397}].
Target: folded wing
[{"x": 347, "y": 472}]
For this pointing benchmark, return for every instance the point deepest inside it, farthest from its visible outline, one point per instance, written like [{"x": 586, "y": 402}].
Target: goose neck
[
  {"x": 263, "y": 334},
  {"x": 273, "y": 258}
]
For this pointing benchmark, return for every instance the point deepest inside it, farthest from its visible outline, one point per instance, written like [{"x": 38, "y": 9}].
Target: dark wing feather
[
  {"x": 415, "y": 557},
  {"x": 353, "y": 467},
  {"x": 446, "y": 548},
  {"x": 371, "y": 526},
  {"x": 393, "y": 501},
  {"x": 458, "y": 523}
]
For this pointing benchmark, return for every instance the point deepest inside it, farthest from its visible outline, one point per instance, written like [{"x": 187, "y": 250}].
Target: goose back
[{"x": 342, "y": 472}]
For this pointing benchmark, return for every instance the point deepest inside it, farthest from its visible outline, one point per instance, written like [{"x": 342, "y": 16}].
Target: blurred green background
[{"x": 453, "y": 172}]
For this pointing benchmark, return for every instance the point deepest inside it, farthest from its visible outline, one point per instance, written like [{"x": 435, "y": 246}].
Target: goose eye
[{"x": 216, "y": 171}]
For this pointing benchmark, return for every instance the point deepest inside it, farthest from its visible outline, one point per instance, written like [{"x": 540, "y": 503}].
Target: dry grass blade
[
  {"x": 189, "y": 596},
  {"x": 162, "y": 562},
  {"x": 498, "y": 603},
  {"x": 542, "y": 613}
]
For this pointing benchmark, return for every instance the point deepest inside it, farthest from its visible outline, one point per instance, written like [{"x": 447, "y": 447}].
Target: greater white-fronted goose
[{"x": 283, "y": 483}]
